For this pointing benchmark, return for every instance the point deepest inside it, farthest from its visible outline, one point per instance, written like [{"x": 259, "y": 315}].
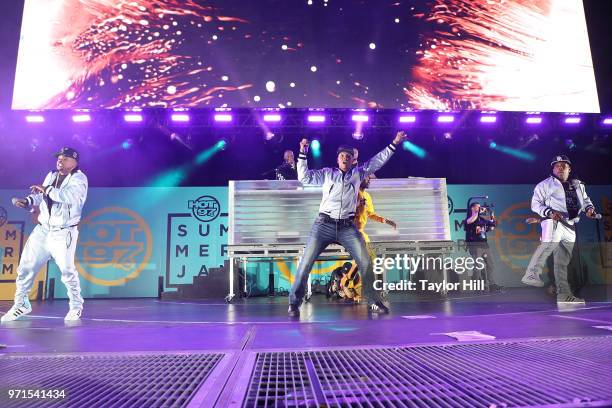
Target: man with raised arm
[{"x": 335, "y": 222}]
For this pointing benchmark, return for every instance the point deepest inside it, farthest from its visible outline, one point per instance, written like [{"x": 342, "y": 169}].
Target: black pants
[{"x": 481, "y": 250}]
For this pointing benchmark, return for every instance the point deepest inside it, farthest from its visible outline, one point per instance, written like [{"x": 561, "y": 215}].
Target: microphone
[
  {"x": 16, "y": 200},
  {"x": 598, "y": 216}
]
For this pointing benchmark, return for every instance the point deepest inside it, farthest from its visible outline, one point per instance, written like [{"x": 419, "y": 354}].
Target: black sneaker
[
  {"x": 569, "y": 299},
  {"x": 294, "y": 310},
  {"x": 379, "y": 307},
  {"x": 496, "y": 288}
]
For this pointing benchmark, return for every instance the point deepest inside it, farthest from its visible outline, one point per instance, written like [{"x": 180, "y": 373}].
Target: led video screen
[{"x": 513, "y": 55}]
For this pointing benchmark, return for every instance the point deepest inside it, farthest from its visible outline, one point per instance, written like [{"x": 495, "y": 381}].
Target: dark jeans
[
  {"x": 322, "y": 234},
  {"x": 481, "y": 250}
]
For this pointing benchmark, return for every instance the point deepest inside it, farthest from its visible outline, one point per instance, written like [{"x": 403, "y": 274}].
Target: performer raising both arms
[
  {"x": 335, "y": 222},
  {"x": 61, "y": 198}
]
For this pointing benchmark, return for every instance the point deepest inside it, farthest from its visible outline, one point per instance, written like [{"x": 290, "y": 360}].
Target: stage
[{"x": 531, "y": 353}]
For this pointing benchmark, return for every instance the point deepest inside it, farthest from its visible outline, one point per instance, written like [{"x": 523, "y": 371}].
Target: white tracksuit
[
  {"x": 55, "y": 236},
  {"x": 556, "y": 237}
]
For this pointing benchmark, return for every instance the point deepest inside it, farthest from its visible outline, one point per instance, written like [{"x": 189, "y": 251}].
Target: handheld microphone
[{"x": 16, "y": 200}]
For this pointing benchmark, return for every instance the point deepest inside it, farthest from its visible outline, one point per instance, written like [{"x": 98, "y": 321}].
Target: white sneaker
[
  {"x": 379, "y": 307},
  {"x": 569, "y": 299},
  {"x": 532, "y": 279},
  {"x": 73, "y": 314},
  {"x": 16, "y": 312}
]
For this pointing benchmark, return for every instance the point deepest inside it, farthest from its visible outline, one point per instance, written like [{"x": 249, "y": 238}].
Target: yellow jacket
[{"x": 365, "y": 210}]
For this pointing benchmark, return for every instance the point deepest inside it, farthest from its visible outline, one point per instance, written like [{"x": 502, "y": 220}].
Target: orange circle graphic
[{"x": 92, "y": 261}]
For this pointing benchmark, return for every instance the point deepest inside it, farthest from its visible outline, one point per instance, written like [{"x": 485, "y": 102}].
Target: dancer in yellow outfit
[
  {"x": 351, "y": 282},
  {"x": 365, "y": 210}
]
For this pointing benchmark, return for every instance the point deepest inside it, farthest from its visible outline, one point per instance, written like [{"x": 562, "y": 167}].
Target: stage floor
[{"x": 248, "y": 330}]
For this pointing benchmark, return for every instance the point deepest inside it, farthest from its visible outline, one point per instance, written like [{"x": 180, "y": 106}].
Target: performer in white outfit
[
  {"x": 560, "y": 200},
  {"x": 60, "y": 198}
]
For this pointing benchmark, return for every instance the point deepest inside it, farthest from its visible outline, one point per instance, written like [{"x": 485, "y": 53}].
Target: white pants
[
  {"x": 42, "y": 245},
  {"x": 559, "y": 240}
]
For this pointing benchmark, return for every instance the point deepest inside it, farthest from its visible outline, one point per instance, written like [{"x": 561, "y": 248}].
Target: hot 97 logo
[
  {"x": 205, "y": 208},
  {"x": 516, "y": 240},
  {"x": 115, "y": 245}
]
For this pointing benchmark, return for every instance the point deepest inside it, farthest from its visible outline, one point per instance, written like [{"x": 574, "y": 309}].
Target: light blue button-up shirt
[{"x": 339, "y": 188}]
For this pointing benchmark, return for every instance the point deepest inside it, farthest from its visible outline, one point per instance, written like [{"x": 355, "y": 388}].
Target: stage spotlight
[
  {"x": 414, "y": 149},
  {"x": 223, "y": 117},
  {"x": 533, "y": 120},
  {"x": 316, "y": 118},
  {"x": 127, "y": 144},
  {"x": 488, "y": 119},
  {"x": 133, "y": 117},
  {"x": 569, "y": 143},
  {"x": 573, "y": 120},
  {"x": 180, "y": 117},
  {"x": 358, "y": 135},
  {"x": 361, "y": 118},
  {"x": 269, "y": 136},
  {"x": 272, "y": 117},
  {"x": 446, "y": 119},
  {"x": 172, "y": 177},
  {"x": 35, "y": 118},
  {"x": 206, "y": 155},
  {"x": 81, "y": 118},
  {"x": 315, "y": 146},
  {"x": 516, "y": 153},
  {"x": 448, "y": 136},
  {"x": 607, "y": 121},
  {"x": 175, "y": 137},
  {"x": 529, "y": 140},
  {"x": 407, "y": 119}
]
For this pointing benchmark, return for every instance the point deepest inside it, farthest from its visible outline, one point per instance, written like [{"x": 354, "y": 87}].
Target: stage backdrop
[
  {"x": 512, "y": 55},
  {"x": 129, "y": 237}
]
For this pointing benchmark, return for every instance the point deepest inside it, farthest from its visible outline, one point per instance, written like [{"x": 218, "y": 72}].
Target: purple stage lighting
[
  {"x": 360, "y": 118},
  {"x": 607, "y": 121},
  {"x": 272, "y": 117},
  {"x": 35, "y": 119},
  {"x": 534, "y": 120},
  {"x": 446, "y": 118},
  {"x": 358, "y": 135},
  {"x": 316, "y": 118},
  {"x": 132, "y": 117},
  {"x": 572, "y": 120},
  {"x": 488, "y": 119},
  {"x": 81, "y": 117},
  {"x": 407, "y": 119},
  {"x": 223, "y": 117},
  {"x": 180, "y": 117}
]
